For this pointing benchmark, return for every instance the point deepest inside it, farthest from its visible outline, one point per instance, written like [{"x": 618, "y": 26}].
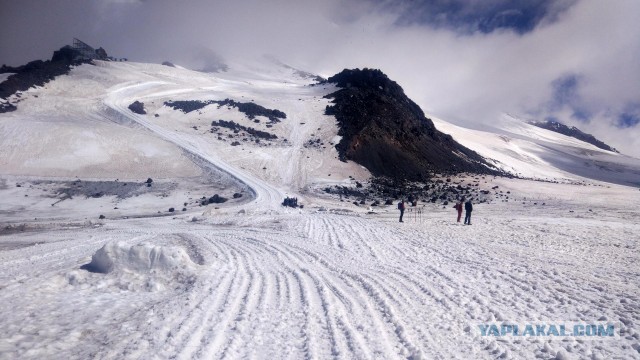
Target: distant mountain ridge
[
  {"x": 386, "y": 132},
  {"x": 573, "y": 132}
]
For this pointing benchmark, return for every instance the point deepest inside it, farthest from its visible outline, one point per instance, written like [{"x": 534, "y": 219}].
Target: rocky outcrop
[
  {"x": 36, "y": 73},
  {"x": 250, "y": 109},
  {"x": 137, "y": 107},
  {"x": 386, "y": 132}
]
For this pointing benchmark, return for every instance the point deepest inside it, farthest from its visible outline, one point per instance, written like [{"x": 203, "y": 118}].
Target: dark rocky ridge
[
  {"x": 37, "y": 73},
  {"x": 386, "y": 132},
  {"x": 573, "y": 132}
]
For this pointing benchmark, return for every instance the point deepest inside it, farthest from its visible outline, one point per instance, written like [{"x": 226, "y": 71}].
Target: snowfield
[{"x": 249, "y": 278}]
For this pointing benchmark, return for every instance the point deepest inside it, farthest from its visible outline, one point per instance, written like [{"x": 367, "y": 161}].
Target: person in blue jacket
[{"x": 468, "y": 208}]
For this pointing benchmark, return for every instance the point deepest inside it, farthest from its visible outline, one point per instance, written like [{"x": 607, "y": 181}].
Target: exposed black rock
[
  {"x": 386, "y": 132},
  {"x": 168, "y": 63},
  {"x": 291, "y": 202},
  {"x": 217, "y": 199},
  {"x": 37, "y": 73},
  {"x": 248, "y": 108},
  {"x": 187, "y": 106},
  {"x": 137, "y": 107},
  {"x": 7, "y": 107},
  {"x": 237, "y": 127},
  {"x": 382, "y": 190},
  {"x": 574, "y": 132}
]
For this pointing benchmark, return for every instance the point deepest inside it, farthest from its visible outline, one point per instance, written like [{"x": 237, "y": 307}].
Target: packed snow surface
[{"x": 252, "y": 279}]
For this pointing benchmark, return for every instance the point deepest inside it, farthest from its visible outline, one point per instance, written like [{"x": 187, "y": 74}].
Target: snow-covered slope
[
  {"x": 252, "y": 279},
  {"x": 533, "y": 152}
]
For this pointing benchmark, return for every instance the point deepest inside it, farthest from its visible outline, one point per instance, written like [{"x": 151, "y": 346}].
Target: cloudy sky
[{"x": 465, "y": 61}]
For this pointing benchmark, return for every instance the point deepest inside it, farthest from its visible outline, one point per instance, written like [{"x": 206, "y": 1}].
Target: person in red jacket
[{"x": 458, "y": 206}]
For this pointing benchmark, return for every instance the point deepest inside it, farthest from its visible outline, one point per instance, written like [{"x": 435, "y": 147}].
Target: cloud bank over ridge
[{"x": 464, "y": 61}]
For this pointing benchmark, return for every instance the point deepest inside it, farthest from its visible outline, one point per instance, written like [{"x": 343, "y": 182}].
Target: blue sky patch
[
  {"x": 485, "y": 16},
  {"x": 630, "y": 117}
]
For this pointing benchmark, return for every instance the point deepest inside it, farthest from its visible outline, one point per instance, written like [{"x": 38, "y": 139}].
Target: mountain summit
[
  {"x": 386, "y": 132},
  {"x": 574, "y": 132}
]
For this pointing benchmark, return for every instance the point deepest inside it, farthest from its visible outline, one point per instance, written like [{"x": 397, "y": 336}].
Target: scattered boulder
[
  {"x": 290, "y": 202},
  {"x": 137, "y": 107},
  {"x": 7, "y": 107},
  {"x": 217, "y": 199}
]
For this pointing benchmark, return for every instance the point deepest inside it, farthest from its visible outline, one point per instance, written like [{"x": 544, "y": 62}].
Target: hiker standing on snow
[
  {"x": 468, "y": 207},
  {"x": 458, "y": 207},
  {"x": 401, "y": 208}
]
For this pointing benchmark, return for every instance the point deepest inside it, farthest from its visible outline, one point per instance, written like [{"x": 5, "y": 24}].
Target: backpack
[{"x": 400, "y": 206}]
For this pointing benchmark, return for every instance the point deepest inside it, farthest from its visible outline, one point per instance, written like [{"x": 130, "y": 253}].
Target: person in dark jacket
[
  {"x": 401, "y": 208},
  {"x": 458, "y": 207},
  {"x": 468, "y": 207}
]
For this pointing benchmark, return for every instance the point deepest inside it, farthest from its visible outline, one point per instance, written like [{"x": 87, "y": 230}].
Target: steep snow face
[{"x": 533, "y": 152}]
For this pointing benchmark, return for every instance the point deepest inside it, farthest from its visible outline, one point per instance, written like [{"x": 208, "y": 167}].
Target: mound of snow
[
  {"x": 141, "y": 258},
  {"x": 143, "y": 267}
]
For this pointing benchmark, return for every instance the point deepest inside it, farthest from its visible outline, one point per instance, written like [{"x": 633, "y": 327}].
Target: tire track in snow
[
  {"x": 248, "y": 305},
  {"x": 316, "y": 299},
  {"x": 297, "y": 255},
  {"x": 221, "y": 312},
  {"x": 197, "y": 331}
]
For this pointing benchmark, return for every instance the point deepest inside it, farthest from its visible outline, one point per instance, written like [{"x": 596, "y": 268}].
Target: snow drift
[
  {"x": 141, "y": 258},
  {"x": 142, "y": 266}
]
